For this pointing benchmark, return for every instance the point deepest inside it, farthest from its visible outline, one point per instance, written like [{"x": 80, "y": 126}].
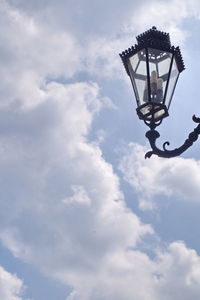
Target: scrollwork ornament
[{"x": 153, "y": 135}]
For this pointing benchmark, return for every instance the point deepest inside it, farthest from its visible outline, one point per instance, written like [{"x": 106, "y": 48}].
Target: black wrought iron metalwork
[
  {"x": 153, "y": 135},
  {"x": 153, "y": 66}
]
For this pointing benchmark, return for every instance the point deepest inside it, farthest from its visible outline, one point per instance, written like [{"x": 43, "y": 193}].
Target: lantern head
[{"x": 154, "y": 67}]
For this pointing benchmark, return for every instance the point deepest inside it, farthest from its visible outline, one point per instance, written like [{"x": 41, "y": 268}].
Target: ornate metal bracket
[{"x": 152, "y": 136}]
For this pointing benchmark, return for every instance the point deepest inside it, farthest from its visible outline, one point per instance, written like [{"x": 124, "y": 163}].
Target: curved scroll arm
[{"x": 152, "y": 136}]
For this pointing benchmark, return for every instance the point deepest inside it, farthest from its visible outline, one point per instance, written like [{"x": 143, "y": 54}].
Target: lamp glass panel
[
  {"x": 172, "y": 83},
  {"x": 134, "y": 61},
  {"x": 138, "y": 72},
  {"x": 159, "y": 66}
]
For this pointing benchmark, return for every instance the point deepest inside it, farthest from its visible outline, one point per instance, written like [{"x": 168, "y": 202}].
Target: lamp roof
[
  {"x": 156, "y": 39},
  {"x": 154, "y": 35}
]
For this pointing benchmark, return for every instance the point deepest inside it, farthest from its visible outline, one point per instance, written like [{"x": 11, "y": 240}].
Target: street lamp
[{"x": 153, "y": 66}]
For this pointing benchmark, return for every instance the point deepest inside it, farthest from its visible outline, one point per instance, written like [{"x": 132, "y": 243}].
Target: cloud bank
[
  {"x": 176, "y": 177},
  {"x": 11, "y": 287}
]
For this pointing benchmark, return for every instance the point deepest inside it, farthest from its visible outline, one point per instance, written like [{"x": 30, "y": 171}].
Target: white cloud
[
  {"x": 11, "y": 287},
  {"x": 156, "y": 176},
  {"x": 85, "y": 19},
  {"x": 166, "y": 15},
  {"x": 80, "y": 196},
  {"x": 46, "y": 158},
  {"x": 31, "y": 55},
  {"x": 172, "y": 275},
  {"x": 178, "y": 273}
]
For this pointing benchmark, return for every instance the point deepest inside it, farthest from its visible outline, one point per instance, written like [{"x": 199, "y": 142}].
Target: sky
[{"x": 83, "y": 215}]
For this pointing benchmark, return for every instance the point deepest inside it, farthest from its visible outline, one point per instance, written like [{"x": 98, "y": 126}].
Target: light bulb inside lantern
[
  {"x": 154, "y": 78},
  {"x": 159, "y": 94}
]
